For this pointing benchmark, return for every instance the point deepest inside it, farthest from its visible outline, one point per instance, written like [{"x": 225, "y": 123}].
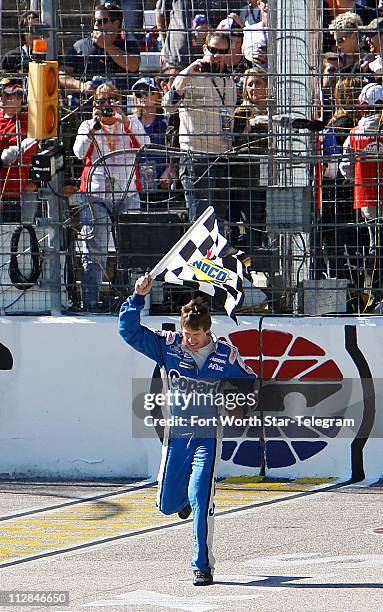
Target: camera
[
  {"x": 107, "y": 111},
  {"x": 210, "y": 67}
]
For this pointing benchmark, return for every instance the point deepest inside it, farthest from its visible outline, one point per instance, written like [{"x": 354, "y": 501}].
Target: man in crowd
[
  {"x": 176, "y": 16},
  {"x": 205, "y": 95},
  {"x": 191, "y": 451},
  {"x": 17, "y": 59},
  {"x": 234, "y": 27},
  {"x": 105, "y": 53},
  {"x": 16, "y": 150}
]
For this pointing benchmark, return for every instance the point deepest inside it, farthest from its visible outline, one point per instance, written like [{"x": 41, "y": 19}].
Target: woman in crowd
[
  {"x": 110, "y": 187},
  {"x": 339, "y": 236},
  {"x": 249, "y": 175}
]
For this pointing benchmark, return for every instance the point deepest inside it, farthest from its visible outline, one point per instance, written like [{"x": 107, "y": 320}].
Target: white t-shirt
[
  {"x": 202, "y": 354},
  {"x": 253, "y": 36},
  {"x": 119, "y": 168}
]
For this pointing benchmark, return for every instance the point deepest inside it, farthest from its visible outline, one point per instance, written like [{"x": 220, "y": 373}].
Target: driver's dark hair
[{"x": 195, "y": 315}]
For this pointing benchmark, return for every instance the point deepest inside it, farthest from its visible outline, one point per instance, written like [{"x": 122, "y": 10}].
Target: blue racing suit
[{"x": 190, "y": 453}]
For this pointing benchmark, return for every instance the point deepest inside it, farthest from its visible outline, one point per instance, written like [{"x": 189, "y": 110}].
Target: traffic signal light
[{"x": 42, "y": 100}]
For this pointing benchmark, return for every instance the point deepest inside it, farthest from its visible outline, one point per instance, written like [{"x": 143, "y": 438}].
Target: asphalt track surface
[{"x": 293, "y": 545}]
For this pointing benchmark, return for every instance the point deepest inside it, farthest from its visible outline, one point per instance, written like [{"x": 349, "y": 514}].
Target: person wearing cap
[
  {"x": 17, "y": 59},
  {"x": 200, "y": 29},
  {"x": 104, "y": 53},
  {"x": 205, "y": 96},
  {"x": 154, "y": 168},
  {"x": 110, "y": 187},
  {"x": 16, "y": 150},
  {"x": 362, "y": 163}
]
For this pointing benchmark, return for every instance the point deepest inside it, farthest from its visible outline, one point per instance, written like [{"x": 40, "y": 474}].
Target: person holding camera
[
  {"x": 110, "y": 185},
  {"x": 205, "y": 96}
]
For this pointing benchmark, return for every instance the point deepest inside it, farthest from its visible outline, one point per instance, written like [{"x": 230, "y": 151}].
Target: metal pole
[
  {"x": 49, "y": 13},
  {"x": 289, "y": 202}
]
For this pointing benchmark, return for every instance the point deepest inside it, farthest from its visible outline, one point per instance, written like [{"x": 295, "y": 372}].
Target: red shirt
[
  {"x": 14, "y": 178},
  {"x": 368, "y": 172}
]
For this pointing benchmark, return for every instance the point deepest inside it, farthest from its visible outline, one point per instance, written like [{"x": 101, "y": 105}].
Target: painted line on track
[
  {"x": 74, "y": 502},
  {"x": 89, "y": 520}
]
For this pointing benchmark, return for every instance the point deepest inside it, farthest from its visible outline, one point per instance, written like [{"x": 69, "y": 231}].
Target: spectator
[
  {"x": 16, "y": 150},
  {"x": 344, "y": 29},
  {"x": 339, "y": 234},
  {"x": 154, "y": 168},
  {"x": 331, "y": 66},
  {"x": 133, "y": 11},
  {"x": 105, "y": 53},
  {"x": 165, "y": 81},
  {"x": 206, "y": 97},
  {"x": 374, "y": 37},
  {"x": 234, "y": 27},
  {"x": 166, "y": 76},
  {"x": 255, "y": 36},
  {"x": 250, "y": 175},
  {"x": 250, "y": 14},
  {"x": 177, "y": 16},
  {"x": 366, "y": 9},
  {"x": 362, "y": 163},
  {"x": 17, "y": 59},
  {"x": 112, "y": 189},
  {"x": 200, "y": 28}
]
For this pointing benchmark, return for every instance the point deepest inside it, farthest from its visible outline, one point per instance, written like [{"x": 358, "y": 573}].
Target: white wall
[{"x": 65, "y": 406}]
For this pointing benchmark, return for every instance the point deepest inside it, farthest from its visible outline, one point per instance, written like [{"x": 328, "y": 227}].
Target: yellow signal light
[{"x": 43, "y": 100}]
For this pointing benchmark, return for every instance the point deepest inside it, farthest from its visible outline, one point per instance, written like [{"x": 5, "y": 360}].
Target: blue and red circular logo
[{"x": 302, "y": 373}]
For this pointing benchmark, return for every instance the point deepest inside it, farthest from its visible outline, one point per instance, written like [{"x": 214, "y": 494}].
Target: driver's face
[{"x": 195, "y": 339}]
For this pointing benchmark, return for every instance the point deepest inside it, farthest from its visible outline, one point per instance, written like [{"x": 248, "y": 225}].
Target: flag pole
[{"x": 182, "y": 241}]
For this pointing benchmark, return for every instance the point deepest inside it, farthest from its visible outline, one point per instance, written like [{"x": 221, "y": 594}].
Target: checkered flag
[{"x": 203, "y": 259}]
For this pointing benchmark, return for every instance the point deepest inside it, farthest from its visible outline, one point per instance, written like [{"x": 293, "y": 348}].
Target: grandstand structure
[{"x": 284, "y": 209}]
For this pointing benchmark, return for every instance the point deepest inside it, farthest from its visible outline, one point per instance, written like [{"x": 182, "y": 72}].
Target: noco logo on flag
[{"x": 206, "y": 270}]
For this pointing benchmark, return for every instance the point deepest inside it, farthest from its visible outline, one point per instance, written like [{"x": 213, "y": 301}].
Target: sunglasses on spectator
[
  {"x": 144, "y": 92},
  {"x": 101, "y": 101},
  {"x": 215, "y": 51},
  {"x": 102, "y": 21}
]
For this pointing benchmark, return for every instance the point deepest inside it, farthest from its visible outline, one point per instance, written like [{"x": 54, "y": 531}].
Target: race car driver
[{"x": 191, "y": 360}]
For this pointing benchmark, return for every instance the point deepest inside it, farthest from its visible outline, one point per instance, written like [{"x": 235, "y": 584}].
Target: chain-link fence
[{"x": 269, "y": 112}]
